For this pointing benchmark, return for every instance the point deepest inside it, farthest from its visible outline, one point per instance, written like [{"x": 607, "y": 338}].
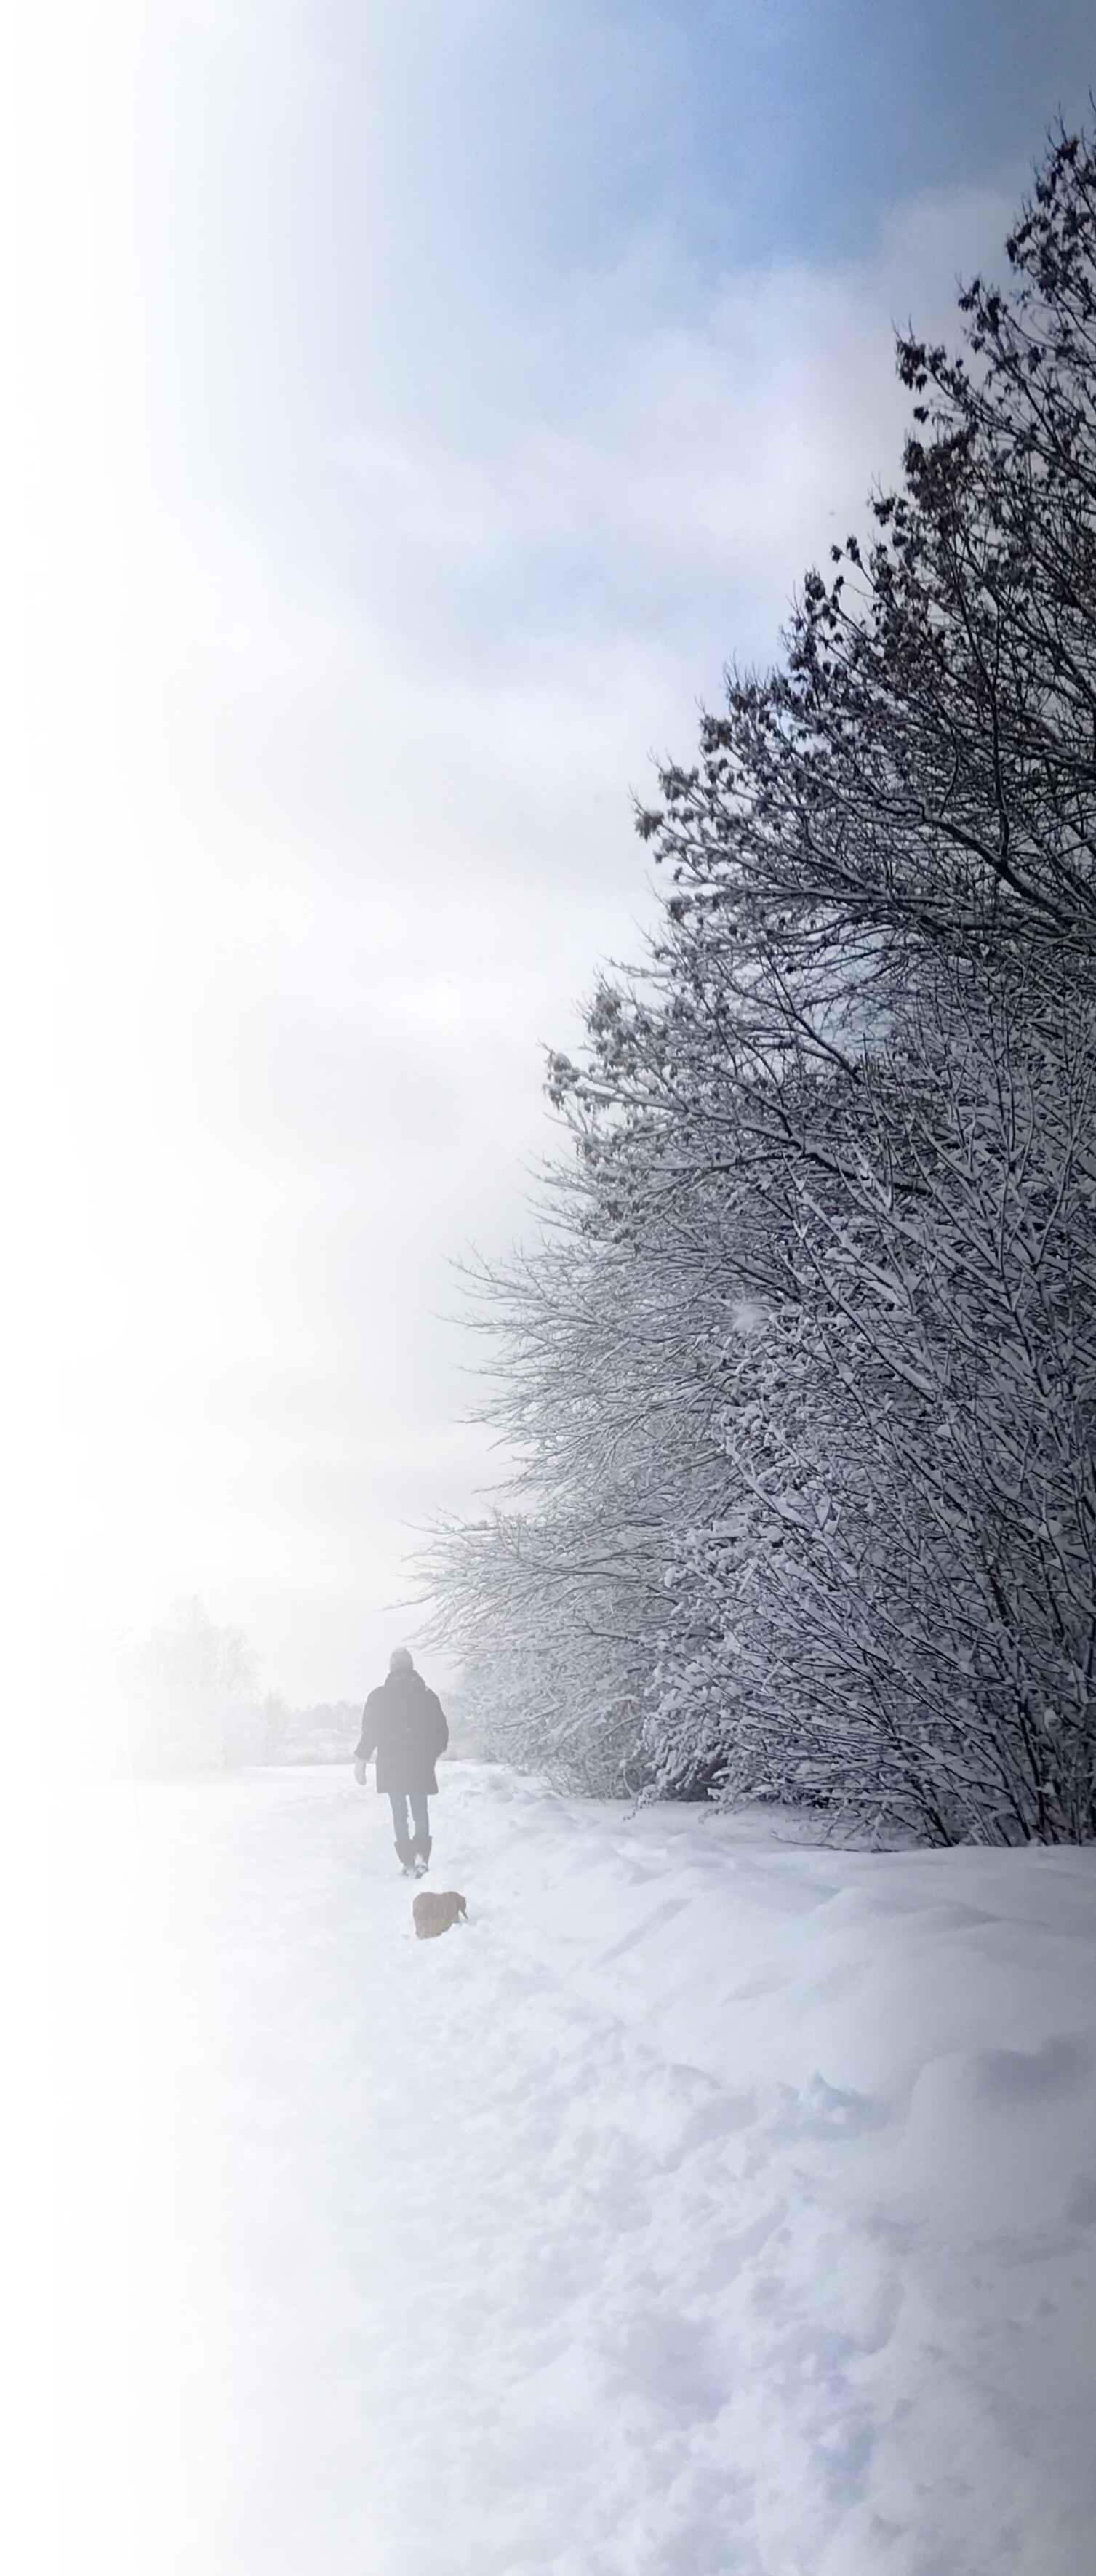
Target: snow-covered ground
[{"x": 711, "y": 2205}]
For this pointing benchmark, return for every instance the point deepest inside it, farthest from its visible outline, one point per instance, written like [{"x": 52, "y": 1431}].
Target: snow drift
[{"x": 709, "y": 2205}]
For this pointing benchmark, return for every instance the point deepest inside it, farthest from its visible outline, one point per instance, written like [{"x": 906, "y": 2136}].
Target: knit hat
[{"x": 399, "y": 1661}]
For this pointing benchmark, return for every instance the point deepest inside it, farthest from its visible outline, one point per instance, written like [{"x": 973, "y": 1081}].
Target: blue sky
[
  {"x": 421, "y": 404},
  {"x": 414, "y": 222}
]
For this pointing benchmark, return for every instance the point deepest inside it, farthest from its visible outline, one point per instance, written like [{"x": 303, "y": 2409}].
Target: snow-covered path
[{"x": 709, "y": 2204}]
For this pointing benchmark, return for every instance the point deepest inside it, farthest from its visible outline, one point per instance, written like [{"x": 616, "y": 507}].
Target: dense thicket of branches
[{"x": 804, "y": 1383}]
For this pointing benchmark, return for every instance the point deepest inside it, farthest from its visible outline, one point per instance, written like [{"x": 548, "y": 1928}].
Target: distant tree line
[
  {"x": 801, "y": 1375},
  {"x": 183, "y": 1696}
]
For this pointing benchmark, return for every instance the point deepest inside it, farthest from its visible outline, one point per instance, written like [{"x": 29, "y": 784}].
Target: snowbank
[{"x": 709, "y": 2204}]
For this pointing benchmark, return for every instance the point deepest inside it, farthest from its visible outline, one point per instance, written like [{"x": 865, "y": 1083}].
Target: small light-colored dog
[{"x": 434, "y": 1914}]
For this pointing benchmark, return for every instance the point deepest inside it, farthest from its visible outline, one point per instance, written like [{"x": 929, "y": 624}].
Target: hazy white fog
[{"x": 369, "y": 525}]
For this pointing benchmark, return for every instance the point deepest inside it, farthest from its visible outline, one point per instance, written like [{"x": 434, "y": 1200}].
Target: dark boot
[
  {"x": 405, "y": 1854},
  {"x": 422, "y": 1848}
]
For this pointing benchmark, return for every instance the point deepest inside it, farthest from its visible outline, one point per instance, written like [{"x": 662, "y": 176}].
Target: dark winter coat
[{"x": 404, "y": 1726}]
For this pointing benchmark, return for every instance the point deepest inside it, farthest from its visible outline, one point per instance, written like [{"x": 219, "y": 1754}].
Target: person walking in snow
[{"x": 403, "y": 1724}]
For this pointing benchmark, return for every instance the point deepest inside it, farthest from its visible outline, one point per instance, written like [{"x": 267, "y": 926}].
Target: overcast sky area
[{"x": 419, "y": 405}]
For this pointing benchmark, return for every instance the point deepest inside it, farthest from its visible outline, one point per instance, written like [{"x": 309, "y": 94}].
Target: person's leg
[
  {"x": 404, "y": 1848},
  {"x": 420, "y": 1814}
]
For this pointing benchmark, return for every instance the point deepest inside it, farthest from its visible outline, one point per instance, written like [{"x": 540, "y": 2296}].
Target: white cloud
[{"x": 664, "y": 480}]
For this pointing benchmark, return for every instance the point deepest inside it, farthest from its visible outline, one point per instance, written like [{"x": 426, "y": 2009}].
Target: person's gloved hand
[{"x": 361, "y": 1771}]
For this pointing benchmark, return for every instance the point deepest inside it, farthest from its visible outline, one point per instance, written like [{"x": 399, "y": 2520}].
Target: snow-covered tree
[
  {"x": 186, "y": 1693},
  {"x": 802, "y": 1384}
]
